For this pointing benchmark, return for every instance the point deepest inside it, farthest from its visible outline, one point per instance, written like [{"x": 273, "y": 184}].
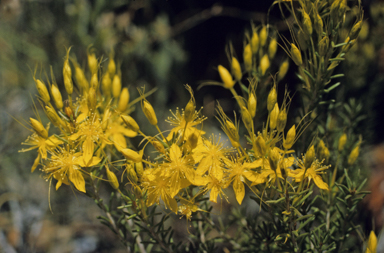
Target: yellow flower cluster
[{"x": 95, "y": 131}]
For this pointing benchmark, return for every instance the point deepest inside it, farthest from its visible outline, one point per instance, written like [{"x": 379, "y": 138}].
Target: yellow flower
[
  {"x": 238, "y": 172},
  {"x": 116, "y": 131},
  {"x": 311, "y": 173},
  {"x": 210, "y": 156},
  {"x": 66, "y": 165},
  {"x": 182, "y": 127},
  {"x": 216, "y": 187},
  {"x": 157, "y": 187},
  {"x": 179, "y": 170}
]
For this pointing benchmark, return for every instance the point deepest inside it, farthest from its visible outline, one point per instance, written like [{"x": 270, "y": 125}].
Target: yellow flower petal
[
  {"x": 239, "y": 190},
  {"x": 88, "y": 148},
  {"x": 77, "y": 179}
]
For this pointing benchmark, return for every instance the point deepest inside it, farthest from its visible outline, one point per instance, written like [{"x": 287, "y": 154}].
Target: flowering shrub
[{"x": 307, "y": 202}]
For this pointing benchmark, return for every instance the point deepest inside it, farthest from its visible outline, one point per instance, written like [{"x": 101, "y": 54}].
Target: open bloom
[{"x": 312, "y": 173}]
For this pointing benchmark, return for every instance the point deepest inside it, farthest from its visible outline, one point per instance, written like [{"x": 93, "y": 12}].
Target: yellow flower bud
[
  {"x": 252, "y": 105},
  {"x": 236, "y": 69},
  {"x": 353, "y": 155},
  {"x": 43, "y": 91},
  {"x": 364, "y": 32},
  {"x": 139, "y": 169},
  {"x": 131, "y": 174},
  {"x": 56, "y": 95},
  {"x": 92, "y": 63},
  {"x": 39, "y": 128},
  {"x": 273, "y": 116},
  {"x": 67, "y": 75},
  {"x": 272, "y": 98},
  {"x": 132, "y": 155},
  {"x": 263, "y": 36},
  {"x": 91, "y": 99},
  {"x": 111, "y": 66},
  {"x": 247, "y": 118},
  {"x": 290, "y": 139},
  {"x": 302, "y": 38},
  {"x": 116, "y": 86},
  {"x": 189, "y": 111},
  {"x": 264, "y": 64},
  {"x": 247, "y": 55},
  {"x": 342, "y": 142},
  {"x": 372, "y": 243},
  {"x": 149, "y": 112},
  {"x": 307, "y": 24},
  {"x": 232, "y": 133},
  {"x": 259, "y": 146},
  {"x": 193, "y": 140},
  {"x": 323, "y": 46},
  {"x": 130, "y": 122},
  {"x": 283, "y": 70},
  {"x": 272, "y": 48},
  {"x": 281, "y": 120},
  {"x": 106, "y": 85},
  {"x": 123, "y": 100},
  {"x": 94, "y": 81},
  {"x": 324, "y": 154},
  {"x": 158, "y": 146},
  {"x": 68, "y": 111},
  {"x": 226, "y": 77},
  {"x": 255, "y": 42},
  {"x": 106, "y": 116},
  {"x": 81, "y": 79},
  {"x": 112, "y": 179},
  {"x": 52, "y": 116},
  {"x": 355, "y": 30},
  {"x": 274, "y": 158},
  {"x": 296, "y": 55},
  {"x": 309, "y": 157},
  {"x": 318, "y": 24}
]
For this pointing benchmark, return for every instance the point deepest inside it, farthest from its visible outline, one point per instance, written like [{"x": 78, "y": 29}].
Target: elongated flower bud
[
  {"x": 252, "y": 105},
  {"x": 272, "y": 99},
  {"x": 264, "y": 64},
  {"x": 111, "y": 66},
  {"x": 116, "y": 86},
  {"x": 94, "y": 81},
  {"x": 302, "y": 38},
  {"x": 255, "y": 42},
  {"x": 81, "y": 79},
  {"x": 290, "y": 139},
  {"x": 355, "y": 30},
  {"x": 67, "y": 75},
  {"x": 283, "y": 70},
  {"x": 158, "y": 146},
  {"x": 236, "y": 69},
  {"x": 273, "y": 116},
  {"x": 189, "y": 111},
  {"x": 318, "y": 24},
  {"x": 92, "y": 63},
  {"x": 272, "y": 48},
  {"x": 281, "y": 120},
  {"x": 131, "y": 174},
  {"x": 372, "y": 243},
  {"x": 342, "y": 142},
  {"x": 123, "y": 101},
  {"x": 130, "y": 122},
  {"x": 232, "y": 133},
  {"x": 225, "y": 77},
  {"x": 274, "y": 158},
  {"x": 307, "y": 24},
  {"x": 56, "y": 95},
  {"x": 309, "y": 157},
  {"x": 112, "y": 179},
  {"x": 139, "y": 169},
  {"x": 91, "y": 99},
  {"x": 105, "y": 122},
  {"x": 247, "y": 55},
  {"x": 39, "y": 128},
  {"x": 52, "y": 116},
  {"x": 43, "y": 91},
  {"x": 259, "y": 146},
  {"x": 353, "y": 155},
  {"x": 132, "y": 155},
  {"x": 149, "y": 112},
  {"x": 106, "y": 85},
  {"x": 263, "y": 36},
  {"x": 193, "y": 140},
  {"x": 247, "y": 118},
  {"x": 323, "y": 46},
  {"x": 296, "y": 55}
]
